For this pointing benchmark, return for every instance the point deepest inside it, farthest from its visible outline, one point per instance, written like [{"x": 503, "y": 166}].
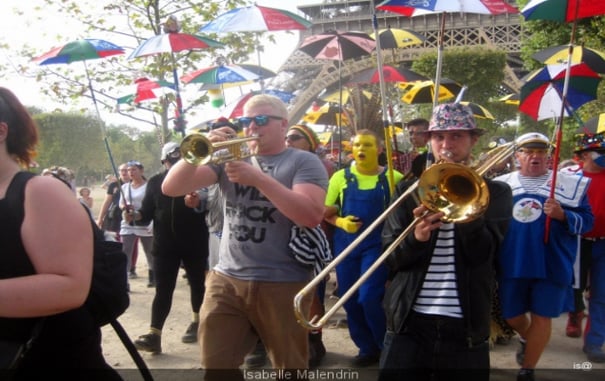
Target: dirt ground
[{"x": 562, "y": 360}]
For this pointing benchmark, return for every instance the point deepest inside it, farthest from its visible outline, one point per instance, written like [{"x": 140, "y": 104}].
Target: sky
[{"x": 40, "y": 33}]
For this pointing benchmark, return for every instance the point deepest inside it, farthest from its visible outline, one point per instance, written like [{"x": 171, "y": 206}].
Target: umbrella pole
[
  {"x": 261, "y": 81},
  {"x": 339, "y": 121},
  {"x": 439, "y": 60},
  {"x": 179, "y": 113},
  {"x": 559, "y": 128},
  {"x": 101, "y": 125},
  {"x": 385, "y": 121}
]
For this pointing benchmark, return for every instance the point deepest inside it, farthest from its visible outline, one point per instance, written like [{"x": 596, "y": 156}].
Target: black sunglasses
[
  {"x": 259, "y": 120},
  {"x": 294, "y": 137}
]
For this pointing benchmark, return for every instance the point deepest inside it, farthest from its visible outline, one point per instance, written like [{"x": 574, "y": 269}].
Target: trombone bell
[
  {"x": 197, "y": 149},
  {"x": 454, "y": 189}
]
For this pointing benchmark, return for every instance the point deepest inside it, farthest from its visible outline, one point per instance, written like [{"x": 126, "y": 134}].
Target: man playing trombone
[{"x": 438, "y": 302}]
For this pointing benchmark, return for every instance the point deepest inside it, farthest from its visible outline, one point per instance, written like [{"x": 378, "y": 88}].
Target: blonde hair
[{"x": 278, "y": 106}]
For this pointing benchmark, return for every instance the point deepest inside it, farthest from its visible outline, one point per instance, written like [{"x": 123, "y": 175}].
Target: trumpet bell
[
  {"x": 197, "y": 149},
  {"x": 454, "y": 189}
]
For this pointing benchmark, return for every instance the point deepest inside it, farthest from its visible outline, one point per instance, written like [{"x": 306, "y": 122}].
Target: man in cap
[
  {"x": 439, "y": 299},
  {"x": 590, "y": 152},
  {"x": 536, "y": 270},
  {"x": 180, "y": 236}
]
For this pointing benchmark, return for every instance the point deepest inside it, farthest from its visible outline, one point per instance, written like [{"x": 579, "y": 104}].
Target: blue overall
[{"x": 365, "y": 315}]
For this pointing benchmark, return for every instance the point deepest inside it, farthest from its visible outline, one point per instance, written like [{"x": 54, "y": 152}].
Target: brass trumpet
[
  {"x": 197, "y": 149},
  {"x": 455, "y": 189}
]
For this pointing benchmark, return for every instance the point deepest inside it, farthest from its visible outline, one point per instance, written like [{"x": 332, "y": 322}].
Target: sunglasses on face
[
  {"x": 294, "y": 137},
  {"x": 259, "y": 120}
]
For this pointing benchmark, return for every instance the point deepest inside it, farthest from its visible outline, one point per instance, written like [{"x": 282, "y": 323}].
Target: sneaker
[
  {"x": 594, "y": 353},
  {"x": 132, "y": 274},
  {"x": 525, "y": 375},
  {"x": 574, "y": 324},
  {"x": 520, "y": 355},
  {"x": 257, "y": 358},
  {"x": 190, "y": 335},
  {"x": 317, "y": 350},
  {"x": 151, "y": 342},
  {"x": 362, "y": 361}
]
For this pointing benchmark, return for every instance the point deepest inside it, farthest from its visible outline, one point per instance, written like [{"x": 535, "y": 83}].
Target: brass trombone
[
  {"x": 197, "y": 149},
  {"x": 455, "y": 189}
]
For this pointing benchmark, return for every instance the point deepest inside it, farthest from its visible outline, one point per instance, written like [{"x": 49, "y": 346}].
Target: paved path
[{"x": 180, "y": 361}]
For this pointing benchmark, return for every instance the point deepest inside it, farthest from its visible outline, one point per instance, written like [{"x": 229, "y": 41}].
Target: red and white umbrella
[
  {"x": 146, "y": 89},
  {"x": 255, "y": 18},
  {"x": 172, "y": 43}
]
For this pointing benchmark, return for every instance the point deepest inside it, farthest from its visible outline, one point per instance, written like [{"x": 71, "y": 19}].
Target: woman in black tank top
[{"x": 45, "y": 261}]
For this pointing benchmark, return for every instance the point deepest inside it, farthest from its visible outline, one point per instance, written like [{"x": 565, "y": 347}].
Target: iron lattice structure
[{"x": 308, "y": 77}]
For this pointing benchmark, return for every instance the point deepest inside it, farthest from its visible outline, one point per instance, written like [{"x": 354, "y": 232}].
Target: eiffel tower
[{"x": 309, "y": 77}]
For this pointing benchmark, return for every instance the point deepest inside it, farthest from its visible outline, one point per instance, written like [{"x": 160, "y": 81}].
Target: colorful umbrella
[
  {"x": 595, "y": 125},
  {"x": 255, "y": 18},
  {"x": 560, "y": 54},
  {"x": 339, "y": 46},
  {"x": 392, "y": 38},
  {"x": 172, "y": 42},
  {"x": 424, "y": 91},
  {"x": 542, "y": 95},
  {"x": 567, "y": 11},
  {"x": 488, "y": 7},
  {"x": 390, "y": 74},
  {"x": 327, "y": 114},
  {"x": 478, "y": 110},
  {"x": 146, "y": 89},
  {"x": 562, "y": 10},
  {"x": 236, "y": 108},
  {"x": 221, "y": 74},
  {"x": 83, "y": 50}
]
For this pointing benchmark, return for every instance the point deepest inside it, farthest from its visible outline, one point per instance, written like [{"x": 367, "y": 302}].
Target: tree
[
  {"x": 74, "y": 140},
  {"x": 128, "y": 23}
]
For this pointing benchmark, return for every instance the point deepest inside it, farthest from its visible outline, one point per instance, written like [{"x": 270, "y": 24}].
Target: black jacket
[
  {"x": 175, "y": 225},
  {"x": 476, "y": 246}
]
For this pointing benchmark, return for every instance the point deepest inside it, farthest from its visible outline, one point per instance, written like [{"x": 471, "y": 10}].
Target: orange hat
[{"x": 309, "y": 135}]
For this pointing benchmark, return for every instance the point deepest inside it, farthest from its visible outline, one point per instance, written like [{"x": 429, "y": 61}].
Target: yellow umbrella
[
  {"x": 328, "y": 115},
  {"x": 424, "y": 91}
]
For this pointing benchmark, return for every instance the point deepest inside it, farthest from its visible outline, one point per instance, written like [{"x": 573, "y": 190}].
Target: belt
[{"x": 593, "y": 239}]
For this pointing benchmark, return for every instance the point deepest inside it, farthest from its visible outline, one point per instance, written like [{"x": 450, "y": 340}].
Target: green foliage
[{"x": 75, "y": 141}]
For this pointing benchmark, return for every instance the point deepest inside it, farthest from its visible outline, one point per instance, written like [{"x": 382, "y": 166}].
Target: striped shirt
[
  {"x": 439, "y": 294},
  {"x": 532, "y": 184}
]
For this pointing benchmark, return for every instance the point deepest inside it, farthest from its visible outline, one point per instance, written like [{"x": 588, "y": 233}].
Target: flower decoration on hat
[
  {"x": 451, "y": 117},
  {"x": 588, "y": 142}
]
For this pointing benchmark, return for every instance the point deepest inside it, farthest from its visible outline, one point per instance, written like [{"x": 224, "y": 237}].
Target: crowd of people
[{"x": 424, "y": 314}]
